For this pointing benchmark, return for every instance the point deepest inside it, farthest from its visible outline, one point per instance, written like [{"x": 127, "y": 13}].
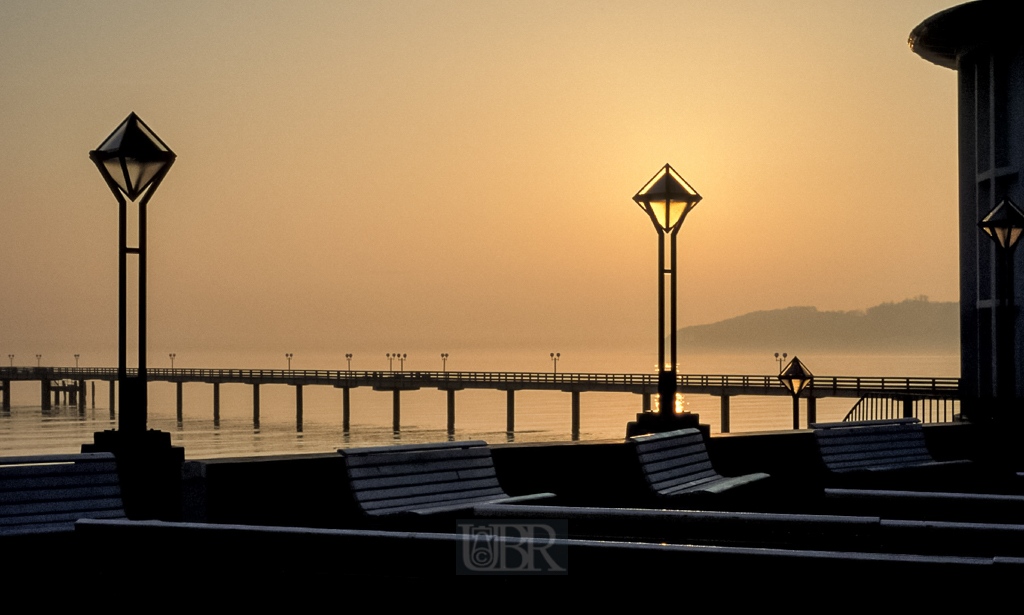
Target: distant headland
[{"x": 913, "y": 325}]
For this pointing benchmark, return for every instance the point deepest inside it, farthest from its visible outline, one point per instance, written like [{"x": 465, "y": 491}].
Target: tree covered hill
[{"x": 913, "y": 325}]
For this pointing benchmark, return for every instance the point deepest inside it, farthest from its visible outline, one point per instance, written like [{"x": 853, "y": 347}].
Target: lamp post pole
[
  {"x": 554, "y": 361},
  {"x": 444, "y": 361},
  {"x": 666, "y": 198},
  {"x": 348, "y": 357},
  {"x": 172, "y": 357},
  {"x": 76, "y": 360},
  {"x": 289, "y": 355}
]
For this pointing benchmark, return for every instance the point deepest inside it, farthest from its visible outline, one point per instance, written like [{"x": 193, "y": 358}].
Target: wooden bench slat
[
  {"x": 428, "y": 490},
  {"x": 384, "y": 459},
  {"x": 420, "y": 468},
  {"x": 60, "y": 495}
]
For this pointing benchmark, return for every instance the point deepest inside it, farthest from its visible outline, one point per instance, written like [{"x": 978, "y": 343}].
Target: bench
[
  {"x": 47, "y": 494},
  {"x": 676, "y": 463},
  {"x": 862, "y": 448},
  {"x": 424, "y": 479}
]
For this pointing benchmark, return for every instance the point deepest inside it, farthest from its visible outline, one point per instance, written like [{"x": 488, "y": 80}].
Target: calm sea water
[{"x": 541, "y": 416}]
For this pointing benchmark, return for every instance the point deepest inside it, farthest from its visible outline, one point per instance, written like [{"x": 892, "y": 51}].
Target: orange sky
[{"x": 425, "y": 176}]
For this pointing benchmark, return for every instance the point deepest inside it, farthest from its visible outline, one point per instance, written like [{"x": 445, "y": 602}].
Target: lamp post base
[
  {"x": 149, "y": 469},
  {"x": 656, "y": 422}
]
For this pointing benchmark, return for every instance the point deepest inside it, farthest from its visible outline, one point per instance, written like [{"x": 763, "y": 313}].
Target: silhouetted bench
[
  {"x": 47, "y": 494},
  {"x": 676, "y": 463},
  {"x": 862, "y": 449},
  {"x": 424, "y": 479}
]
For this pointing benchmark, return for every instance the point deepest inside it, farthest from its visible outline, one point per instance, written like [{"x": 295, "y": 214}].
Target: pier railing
[
  {"x": 751, "y": 384},
  {"x": 882, "y": 406}
]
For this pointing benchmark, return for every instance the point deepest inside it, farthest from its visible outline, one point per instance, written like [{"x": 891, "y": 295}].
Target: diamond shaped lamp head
[
  {"x": 132, "y": 158},
  {"x": 1004, "y": 224},
  {"x": 667, "y": 198},
  {"x": 796, "y": 376}
]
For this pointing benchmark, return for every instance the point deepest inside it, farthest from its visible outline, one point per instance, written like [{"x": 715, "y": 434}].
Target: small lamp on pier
[
  {"x": 666, "y": 198},
  {"x": 1004, "y": 225},
  {"x": 796, "y": 377}
]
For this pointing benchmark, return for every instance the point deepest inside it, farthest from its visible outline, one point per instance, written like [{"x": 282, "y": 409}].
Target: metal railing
[{"x": 925, "y": 408}]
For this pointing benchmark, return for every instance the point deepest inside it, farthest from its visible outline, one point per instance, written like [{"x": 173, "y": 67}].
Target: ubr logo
[{"x": 511, "y": 547}]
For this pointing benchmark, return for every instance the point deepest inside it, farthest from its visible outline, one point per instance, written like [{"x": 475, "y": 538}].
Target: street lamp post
[
  {"x": 348, "y": 357},
  {"x": 289, "y": 355},
  {"x": 133, "y": 161},
  {"x": 76, "y": 360},
  {"x": 172, "y": 356},
  {"x": 667, "y": 198},
  {"x": 39, "y": 360},
  {"x": 444, "y": 361},
  {"x": 401, "y": 361},
  {"x": 796, "y": 377},
  {"x": 1004, "y": 225},
  {"x": 554, "y": 361},
  {"x": 780, "y": 360}
]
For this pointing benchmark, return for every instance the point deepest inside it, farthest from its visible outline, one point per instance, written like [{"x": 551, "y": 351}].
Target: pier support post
[
  {"x": 510, "y": 410},
  {"x": 575, "y": 415},
  {"x": 44, "y": 385},
  {"x": 298, "y": 408},
  {"x": 725, "y": 414},
  {"x": 81, "y": 395},
  {"x": 7, "y": 394},
  {"x": 396, "y": 410},
  {"x": 451, "y": 411},
  {"x": 346, "y": 409},
  {"x": 93, "y": 391},
  {"x": 56, "y": 398},
  {"x": 113, "y": 384},
  {"x": 216, "y": 404},
  {"x": 908, "y": 408},
  {"x": 256, "y": 405},
  {"x": 796, "y": 412},
  {"x": 645, "y": 405},
  {"x": 812, "y": 411},
  {"x": 180, "y": 417},
  {"x": 72, "y": 395}
]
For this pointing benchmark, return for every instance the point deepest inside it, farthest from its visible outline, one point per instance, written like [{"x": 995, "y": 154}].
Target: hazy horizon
[{"x": 427, "y": 177}]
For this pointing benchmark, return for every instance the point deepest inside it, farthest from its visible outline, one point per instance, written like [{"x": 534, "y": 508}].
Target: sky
[{"x": 428, "y": 176}]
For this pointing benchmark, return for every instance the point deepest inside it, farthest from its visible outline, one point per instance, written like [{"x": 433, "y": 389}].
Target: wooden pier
[{"x": 645, "y": 385}]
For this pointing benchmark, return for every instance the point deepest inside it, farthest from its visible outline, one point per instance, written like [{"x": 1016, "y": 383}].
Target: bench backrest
[
  {"x": 46, "y": 494},
  {"x": 872, "y": 444},
  {"x": 674, "y": 459},
  {"x": 396, "y": 479}
]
